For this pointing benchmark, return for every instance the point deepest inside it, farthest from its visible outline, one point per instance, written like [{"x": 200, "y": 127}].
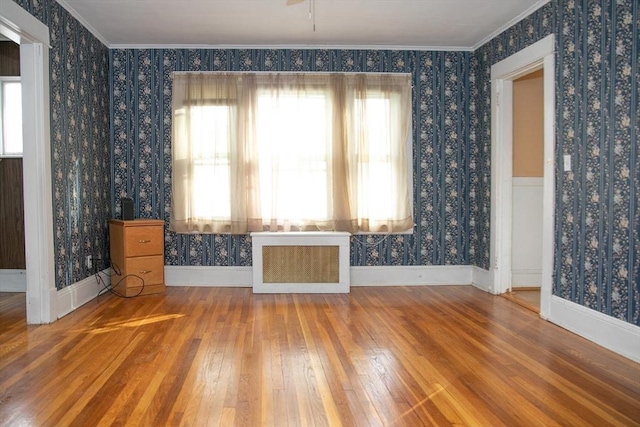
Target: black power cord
[{"x": 115, "y": 271}]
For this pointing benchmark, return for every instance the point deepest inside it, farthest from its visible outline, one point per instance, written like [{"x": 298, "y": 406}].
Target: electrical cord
[
  {"x": 115, "y": 271},
  {"x": 365, "y": 243}
]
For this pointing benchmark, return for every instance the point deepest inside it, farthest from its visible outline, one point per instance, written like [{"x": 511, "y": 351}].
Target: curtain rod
[{"x": 354, "y": 73}]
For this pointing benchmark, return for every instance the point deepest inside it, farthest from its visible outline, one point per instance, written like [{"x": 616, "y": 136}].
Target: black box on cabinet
[{"x": 127, "y": 208}]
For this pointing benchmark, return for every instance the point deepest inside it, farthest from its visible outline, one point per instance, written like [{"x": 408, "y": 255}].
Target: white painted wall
[
  {"x": 13, "y": 280},
  {"x": 526, "y": 267}
]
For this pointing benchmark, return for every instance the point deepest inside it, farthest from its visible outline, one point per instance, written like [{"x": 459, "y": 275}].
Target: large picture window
[{"x": 286, "y": 151}]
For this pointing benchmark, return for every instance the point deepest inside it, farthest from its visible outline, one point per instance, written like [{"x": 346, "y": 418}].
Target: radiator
[{"x": 302, "y": 262}]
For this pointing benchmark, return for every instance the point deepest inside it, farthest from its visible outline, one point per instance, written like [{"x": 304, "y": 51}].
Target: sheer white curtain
[
  {"x": 285, "y": 151},
  {"x": 212, "y": 154},
  {"x": 378, "y": 140}
]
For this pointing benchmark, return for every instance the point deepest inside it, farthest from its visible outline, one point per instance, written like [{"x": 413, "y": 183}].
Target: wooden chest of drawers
[{"x": 137, "y": 252}]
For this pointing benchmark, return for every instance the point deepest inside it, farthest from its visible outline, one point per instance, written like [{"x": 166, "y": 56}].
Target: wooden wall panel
[
  {"x": 9, "y": 59},
  {"x": 11, "y": 215}
]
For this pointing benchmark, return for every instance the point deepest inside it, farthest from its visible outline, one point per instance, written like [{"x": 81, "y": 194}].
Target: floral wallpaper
[
  {"x": 80, "y": 149},
  {"x": 598, "y": 220},
  {"x": 597, "y": 93},
  {"x": 141, "y": 133}
]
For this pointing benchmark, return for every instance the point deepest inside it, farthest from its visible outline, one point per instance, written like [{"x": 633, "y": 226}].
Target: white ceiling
[{"x": 420, "y": 24}]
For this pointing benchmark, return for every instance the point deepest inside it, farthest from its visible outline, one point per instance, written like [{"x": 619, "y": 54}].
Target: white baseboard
[
  {"x": 13, "y": 280},
  {"x": 301, "y": 288},
  {"x": 360, "y": 276},
  {"x": 80, "y": 293},
  {"x": 175, "y": 275},
  {"x": 526, "y": 278},
  {"x": 427, "y": 275},
  {"x": 482, "y": 279},
  {"x": 614, "y": 334}
]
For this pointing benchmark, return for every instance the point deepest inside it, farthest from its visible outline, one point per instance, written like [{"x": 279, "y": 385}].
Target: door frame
[
  {"x": 540, "y": 55},
  {"x": 33, "y": 37}
]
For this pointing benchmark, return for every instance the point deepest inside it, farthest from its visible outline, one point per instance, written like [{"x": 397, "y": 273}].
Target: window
[
  {"x": 293, "y": 170},
  {"x": 377, "y": 175},
  {"x": 11, "y": 121},
  {"x": 255, "y": 152},
  {"x": 211, "y": 162}
]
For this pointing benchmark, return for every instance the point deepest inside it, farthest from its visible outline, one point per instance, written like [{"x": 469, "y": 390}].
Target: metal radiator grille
[{"x": 300, "y": 264}]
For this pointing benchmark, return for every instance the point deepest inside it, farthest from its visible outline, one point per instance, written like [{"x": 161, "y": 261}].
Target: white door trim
[
  {"x": 539, "y": 55},
  {"x": 33, "y": 36}
]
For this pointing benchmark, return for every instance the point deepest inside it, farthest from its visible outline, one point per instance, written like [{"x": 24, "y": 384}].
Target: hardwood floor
[
  {"x": 526, "y": 297},
  {"x": 404, "y": 356}
]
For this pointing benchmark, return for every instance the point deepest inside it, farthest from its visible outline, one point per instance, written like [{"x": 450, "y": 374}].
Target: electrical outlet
[{"x": 89, "y": 262}]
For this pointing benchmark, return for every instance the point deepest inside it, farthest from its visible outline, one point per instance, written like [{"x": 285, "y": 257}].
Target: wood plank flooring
[
  {"x": 526, "y": 297},
  {"x": 380, "y": 356}
]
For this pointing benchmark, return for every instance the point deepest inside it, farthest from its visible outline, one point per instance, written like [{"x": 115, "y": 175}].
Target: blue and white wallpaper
[
  {"x": 80, "y": 149},
  {"x": 598, "y": 216},
  {"x": 597, "y": 93},
  {"x": 141, "y": 134}
]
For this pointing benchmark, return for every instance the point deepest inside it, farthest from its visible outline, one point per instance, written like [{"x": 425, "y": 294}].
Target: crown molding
[
  {"x": 82, "y": 21},
  {"x": 292, "y": 47},
  {"x": 509, "y": 24}
]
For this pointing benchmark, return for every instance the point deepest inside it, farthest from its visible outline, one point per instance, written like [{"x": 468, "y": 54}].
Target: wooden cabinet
[{"x": 137, "y": 252}]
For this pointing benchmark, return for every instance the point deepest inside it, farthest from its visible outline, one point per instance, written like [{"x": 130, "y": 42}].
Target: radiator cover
[{"x": 302, "y": 262}]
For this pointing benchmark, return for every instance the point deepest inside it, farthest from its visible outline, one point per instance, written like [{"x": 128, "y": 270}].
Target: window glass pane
[
  {"x": 211, "y": 200},
  {"x": 210, "y": 152},
  {"x": 292, "y": 134},
  {"x": 377, "y": 181},
  {"x": 12, "y": 118}
]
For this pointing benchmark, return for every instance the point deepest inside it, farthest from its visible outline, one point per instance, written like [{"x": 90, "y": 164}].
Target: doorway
[
  {"x": 33, "y": 37},
  {"x": 538, "y": 56},
  {"x": 12, "y": 261},
  {"x": 527, "y": 179}
]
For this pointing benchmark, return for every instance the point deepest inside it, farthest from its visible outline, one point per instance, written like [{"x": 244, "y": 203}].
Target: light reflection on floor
[{"x": 527, "y": 297}]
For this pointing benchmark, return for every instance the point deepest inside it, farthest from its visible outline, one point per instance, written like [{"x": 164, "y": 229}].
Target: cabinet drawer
[
  {"x": 141, "y": 241},
  {"x": 149, "y": 268}
]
